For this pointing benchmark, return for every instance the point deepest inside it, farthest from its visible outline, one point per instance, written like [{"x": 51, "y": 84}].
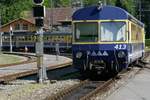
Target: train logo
[{"x": 99, "y": 53}]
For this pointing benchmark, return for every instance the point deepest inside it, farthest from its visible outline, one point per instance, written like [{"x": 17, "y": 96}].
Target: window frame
[
  {"x": 96, "y": 22},
  {"x": 126, "y": 37}
]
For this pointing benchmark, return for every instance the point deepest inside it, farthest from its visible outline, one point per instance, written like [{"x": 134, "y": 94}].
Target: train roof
[{"x": 104, "y": 13}]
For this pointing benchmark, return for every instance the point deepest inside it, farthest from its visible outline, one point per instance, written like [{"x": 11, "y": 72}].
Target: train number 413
[{"x": 120, "y": 46}]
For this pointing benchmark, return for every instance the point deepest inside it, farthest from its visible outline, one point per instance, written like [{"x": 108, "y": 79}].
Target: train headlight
[
  {"x": 78, "y": 54},
  {"x": 121, "y": 54}
]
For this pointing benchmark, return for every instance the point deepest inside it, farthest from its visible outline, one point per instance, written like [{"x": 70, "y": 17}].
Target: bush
[{"x": 147, "y": 43}]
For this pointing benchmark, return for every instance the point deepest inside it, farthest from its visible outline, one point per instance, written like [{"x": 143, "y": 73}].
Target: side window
[
  {"x": 17, "y": 26},
  {"x": 25, "y": 26},
  {"x": 136, "y": 32},
  {"x": 133, "y": 32}
]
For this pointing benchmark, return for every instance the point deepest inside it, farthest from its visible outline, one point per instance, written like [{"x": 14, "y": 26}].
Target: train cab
[{"x": 106, "y": 39}]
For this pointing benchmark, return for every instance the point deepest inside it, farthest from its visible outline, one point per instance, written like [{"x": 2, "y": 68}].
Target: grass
[
  {"x": 9, "y": 59},
  {"x": 147, "y": 44}
]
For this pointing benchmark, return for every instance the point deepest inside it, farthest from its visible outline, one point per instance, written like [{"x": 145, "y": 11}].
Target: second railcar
[{"x": 21, "y": 40}]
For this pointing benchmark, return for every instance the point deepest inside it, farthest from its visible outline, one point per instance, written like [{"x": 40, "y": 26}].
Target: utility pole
[
  {"x": 105, "y": 2},
  {"x": 0, "y": 36},
  {"x": 10, "y": 39},
  {"x": 76, "y": 4},
  {"x": 1, "y": 42},
  {"x": 39, "y": 14},
  {"x": 140, "y": 10},
  {"x": 51, "y": 15}
]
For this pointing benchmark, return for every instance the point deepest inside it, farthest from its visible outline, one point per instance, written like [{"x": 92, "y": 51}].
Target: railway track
[
  {"x": 84, "y": 90},
  {"x": 7, "y": 78},
  {"x": 88, "y": 89},
  {"x": 31, "y": 60}
]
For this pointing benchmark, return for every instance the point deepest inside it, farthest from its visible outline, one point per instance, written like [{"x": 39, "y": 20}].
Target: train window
[
  {"x": 26, "y": 39},
  {"x": 62, "y": 39},
  {"x": 29, "y": 38},
  {"x": 47, "y": 38},
  {"x": 25, "y": 26},
  {"x": 113, "y": 31},
  {"x": 17, "y": 26},
  {"x": 86, "y": 32},
  {"x": 136, "y": 32}
]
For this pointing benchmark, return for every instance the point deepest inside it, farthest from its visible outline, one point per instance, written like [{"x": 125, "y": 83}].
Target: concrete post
[
  {"x": 10, "y": 39},
  {"x": 42, "y": 75},
  {"x": 1, "y": 41},
  {"x": 57, "y": 51},
  {"x": 10, "y": 42}
]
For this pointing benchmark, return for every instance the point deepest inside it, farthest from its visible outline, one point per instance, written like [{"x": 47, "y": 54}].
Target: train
[
  {"x": 27, "y": 40},
  {"x": 106, "y": 39}
]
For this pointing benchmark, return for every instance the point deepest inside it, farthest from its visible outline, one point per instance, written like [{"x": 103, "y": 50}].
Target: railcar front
[
  {"x": 100, "y": 39},
  {"x": 100, "y": 46}
]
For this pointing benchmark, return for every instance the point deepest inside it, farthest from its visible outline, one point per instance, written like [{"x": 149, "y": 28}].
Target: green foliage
[
  {"x": 65, "y": 3},
  {"x": 128, "y": 5},
  {"x": 90, "y": 2},
  {"x": 47, "y": 3},
  {"x": 147, "y": 43},
  {"x": 146, "y": 16},
  {"x": 11, "y": 9}
]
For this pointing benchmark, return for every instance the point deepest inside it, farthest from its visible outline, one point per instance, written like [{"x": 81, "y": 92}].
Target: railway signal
[
  {"x": 39, "y": 14},
  {"x": 38, "y": 2},
  {"x": 39, "y": 11}
]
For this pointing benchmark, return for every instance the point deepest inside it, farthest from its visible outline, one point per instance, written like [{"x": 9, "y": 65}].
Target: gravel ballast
[{"x": 30, "y": 90}]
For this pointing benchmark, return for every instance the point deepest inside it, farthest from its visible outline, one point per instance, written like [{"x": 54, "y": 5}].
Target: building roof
[
  {"x": 105, "y": 13},
  {"x": 16, "y": 21},
  {"x": 54, "y": 15}
]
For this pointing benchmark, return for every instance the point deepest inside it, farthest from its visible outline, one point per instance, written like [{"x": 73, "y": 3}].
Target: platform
[
  {"x": 26, "y": 69},
  {"x": 137, "y": 88}
]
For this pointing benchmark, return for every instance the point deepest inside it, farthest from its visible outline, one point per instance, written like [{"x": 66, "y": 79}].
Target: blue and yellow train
[
  {"x": 106, "y": 39},
  {"x": 22, "y": 40}
]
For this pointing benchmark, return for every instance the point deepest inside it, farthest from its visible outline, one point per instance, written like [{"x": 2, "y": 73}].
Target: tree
[
  {"x": 145, "y": 15},
  {"x": 11, "y": 9},
  {"x": 128, "y": 5}
]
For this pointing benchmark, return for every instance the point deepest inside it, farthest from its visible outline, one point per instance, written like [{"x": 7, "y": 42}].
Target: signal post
[{"x": 39, "y": 14}]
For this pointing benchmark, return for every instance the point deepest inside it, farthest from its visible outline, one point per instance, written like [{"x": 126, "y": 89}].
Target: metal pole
[
  {"x": 140, "y": 10},
  {"x": 10, "y": 42},
  {"x": 1, "y": 42},
  {"x": 57, "y": 51},
  {"x": 0, "y": 37},
  {"x": 51, "y": 16},
  {"x": 42, "y": 75},
  {"x": 82, "y": 5},
  {"x": 11, "y": 33},
  {"x": 104, "y": 2}
]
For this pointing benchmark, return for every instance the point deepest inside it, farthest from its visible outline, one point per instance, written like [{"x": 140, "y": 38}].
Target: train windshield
[
  {"x": 86, "y": 32},
  {"x": 113, "y": 31}
]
